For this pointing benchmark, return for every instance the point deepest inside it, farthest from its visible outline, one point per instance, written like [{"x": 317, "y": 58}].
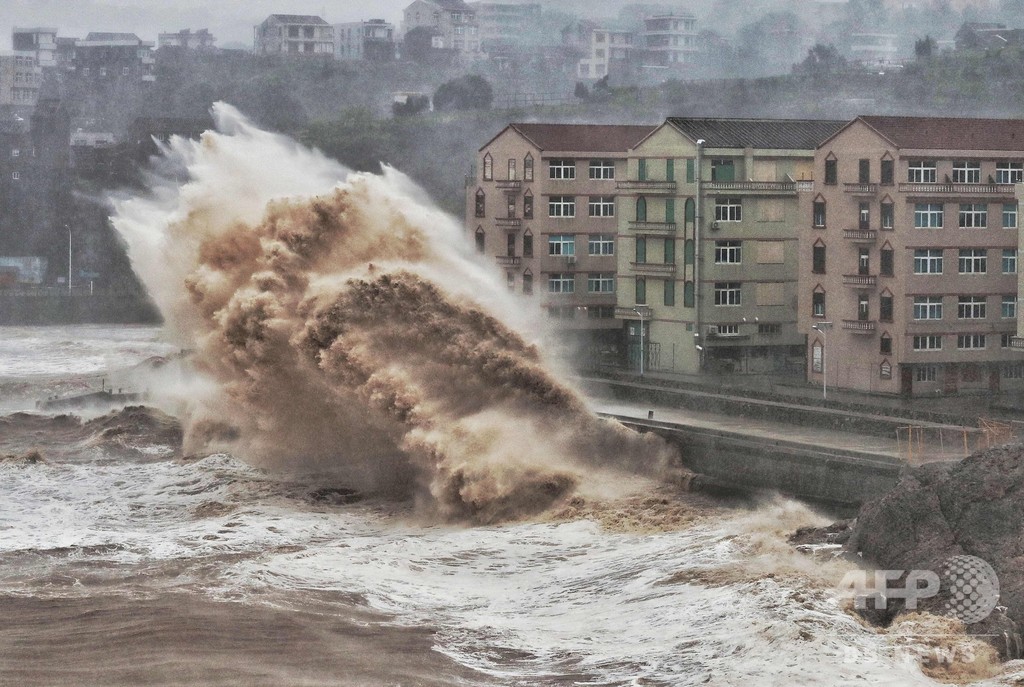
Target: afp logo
[{"x": 969, "y": 584}]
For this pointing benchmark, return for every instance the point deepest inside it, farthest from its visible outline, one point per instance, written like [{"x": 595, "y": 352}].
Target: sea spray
[{"x": 346, "y": 325}]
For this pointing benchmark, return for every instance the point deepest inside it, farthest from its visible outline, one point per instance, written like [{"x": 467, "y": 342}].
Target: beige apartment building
[
  {"x": 908, "y": 256},
  {"x": 294, "y": 34},
  {"x": 453, "y": 22},
  {"x": 707, "y": 261},
  {"x": 543, "y": 205}
]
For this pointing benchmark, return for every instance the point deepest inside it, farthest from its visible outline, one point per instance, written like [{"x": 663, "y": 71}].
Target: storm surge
[{"x": 339, "y": 322}]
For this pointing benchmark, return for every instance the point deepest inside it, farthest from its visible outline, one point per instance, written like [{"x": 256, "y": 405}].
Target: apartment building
[
  {"x": 294, "y": 35},
  {"x": 108, "y": 56},
  {"x": 20, "y": 79},
  {"x": 40, "y": 41},
  {"x": 908, "y": 270},
  {"x": 670, "y": 40},
  {"x": 602, "y": 50},
  {"x": 707, "y": 261},
  {"x": 453, "y": 22},
  {"x": 186, "y": 39},
  {"x": 506, "y": 25},
  {"x": 372, "y": 40},
  {"x": 543, "y": 205}
]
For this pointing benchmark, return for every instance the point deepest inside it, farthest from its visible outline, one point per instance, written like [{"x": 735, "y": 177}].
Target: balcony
[
  {"x": 653, "y": 227},
  {"x": 508, "y": 222},
  {"x": 762, "y": 188},
  {"x": 860, "y": 279},
  {"x": 861, "y": 189},
  {"x": 957, "y": 189},
  {"x": 860, "y": 326},
  {"x": 652, "y": 187},
  {"x": 509, "y": 184},
  {"x": 653, "y": 268},
  {"x": 1017, "y": 342},
  {"x": 860, "y": 235},
  {"x": 508, "y": 260}
]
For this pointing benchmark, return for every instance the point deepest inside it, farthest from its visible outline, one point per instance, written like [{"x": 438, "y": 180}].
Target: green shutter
[
  {"x": 670, "y": 292},
  {"x": 688, "y": 251},
  {"x": 670, "y": 170},
  {"x": 641, "y": 209},
  {"x": 641, "y": 169},
  {"x": 688, "y": 295},
  {"x": 689, "y": 170},
  {"x": 670, "y": 210},
  {"x": 641, "y": 290},
  {"x": 670, "y": 251},
  {"x": 641, "y": 250},
  {"x": 691, "y": 210}
]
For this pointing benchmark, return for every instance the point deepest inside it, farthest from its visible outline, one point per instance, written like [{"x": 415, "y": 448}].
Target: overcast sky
[{"x": 230, "y": 21}]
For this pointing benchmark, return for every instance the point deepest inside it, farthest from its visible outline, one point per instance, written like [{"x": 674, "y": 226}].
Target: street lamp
[
  {"x": 821, "y": 328},
  {"x": 639, "y": 311}
]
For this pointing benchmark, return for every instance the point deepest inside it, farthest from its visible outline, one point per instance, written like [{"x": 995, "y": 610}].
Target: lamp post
[
  {"x": 639, "y": 311},
  {"x": 821, "y": 328},
  {"x": 69, "y": 257}
]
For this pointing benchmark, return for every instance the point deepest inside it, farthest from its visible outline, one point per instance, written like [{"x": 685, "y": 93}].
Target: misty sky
[{"x": 231, "y": 21}]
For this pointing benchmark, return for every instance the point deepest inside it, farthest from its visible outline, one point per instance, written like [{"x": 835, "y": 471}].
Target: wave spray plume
[{"x": 340, "y": 321}]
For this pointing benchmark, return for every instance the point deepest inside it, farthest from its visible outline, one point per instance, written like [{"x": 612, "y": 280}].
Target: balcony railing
[
  {"x": 509, "y": 184},
  {"x": 653, "y": 267},
  {"x": 768, "y": 187},
  {"x": 958, "y": 189},
  {"x": 508, "y": 260},
  {"x": 861, "y": 189},
  {"x": 860, "y": 235},
  {"x": 646, "y": 186},
  {"x": 859, "y": 326},
  {"x": 654, "y": 227},
  {"x": 1017, "y": 342},
  {"x": 860, "y": 279},
  {"x": 508, "y": 222}
]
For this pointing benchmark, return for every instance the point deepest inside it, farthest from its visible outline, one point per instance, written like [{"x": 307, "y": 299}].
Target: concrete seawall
[{"x": 80, "y": 308}]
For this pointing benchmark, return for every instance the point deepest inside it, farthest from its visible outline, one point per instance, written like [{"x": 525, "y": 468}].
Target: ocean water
[{"x": 123, "y": 563}]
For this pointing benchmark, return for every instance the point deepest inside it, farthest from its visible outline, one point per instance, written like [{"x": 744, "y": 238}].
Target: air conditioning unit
[
  {"x": 714, "y": 226},
  {"x": 570, "y": 260}
]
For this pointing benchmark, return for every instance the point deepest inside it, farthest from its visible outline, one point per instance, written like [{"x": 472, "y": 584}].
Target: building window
[
  {"x": 669, "y": 252},
  {"x": 885, "y": 370},
  {"x": 481, "y": 205},
  {"x": 926, "y": 373},
  {"x": 728, "y": 209},
  {"x": 669, "y": 295},
  {"x": 887, "y": 215},
  {"x": 601, "y": 312},
  {"x": 562, "y": 169},
  {"x": 641, "y": 250},
  {"x": 1006, "y": 341},
  {"x": 723, "y": 170},
  {"x": 928, "y": 307},
  {"x": 973, "y": 216},
  {"x": 727, "y": 293},
  {"x": 818, "y": 304},
  {"x": 966, "y": 172},
  {"x": 528, "y": 168},
  {"x": 528, "y": 244},
  {"x": 819, "y": 213},
  {"x": 1009, "y": 261},
  {"x": 602, "y": 206},
  {"x": 561, "y": 282},
  {"x": 15, "y": 175},
  {"x": 1010, "y": 216},
  {"x": 818, "y": 259},
  {"x": 864, "y": 216},
  {"x": 561, "y": 244},
  {"x": 1009, "y": 307},
  {"x": 641, "y": 169},
  {"x": 528, "y": 205},
  {"x": 970, "y": 308},
  {"x": 973, "y": 261},
  {"x": 886, "y": 261},
  {"x": 510, "y": 281},
  {"x": 601, "y": 282},
  {"x": 562, "y": 206},
  {"x": 641, "y": 209},
  {"x": 885, "y": 345},
  {"x": 15, "y": 152},
  {"x": 928, "y": 261},
  {"x": 1009, "y": 172},
  {"x": 512, "y": 169},
  {"x": 528, "y": 283},
  {"x": 887, "y": 172},
  {"x": 641, "y": 290},
  {"x": 728, "y": 252},
  {"x": 864, "y": 261},
  {"x": 831, "y": 172},
  {"x": 769, "y": 328},
  {"x": 479, "y": 240},
  {"x": 125, "y": 71},
  {"x": 864, "y": 171},
  {"x": 928, "y": 215},
  {"x": 968, "y": 342},
  {"x": 601, "y": 244},
  {"x": 488, "y": 167},
  {"x": 927, "y": 342},
  {"x": 921, "y": 172},
  {"x": 885, "y": 308},
  {"x": 602, "y": 169}
]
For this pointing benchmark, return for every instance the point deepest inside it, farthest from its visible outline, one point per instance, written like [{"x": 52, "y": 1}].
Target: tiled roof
[
  {"x": 596, "y": 138},
  {"x": 949, "y": 133},
  {"x": 298, "y": 19},
  {"x": 101, "y": 36},
  {"x": 782, "y": 134}
]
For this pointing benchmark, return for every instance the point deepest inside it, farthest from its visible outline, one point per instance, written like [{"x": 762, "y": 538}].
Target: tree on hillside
[
  {"x": 924, "y": 48},
  {"x": 470, "y": 92},
  {"x": 821, "y": 59}
]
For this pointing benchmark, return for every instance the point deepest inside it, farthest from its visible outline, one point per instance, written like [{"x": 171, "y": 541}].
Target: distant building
[
  {"x": 294, "y": 34},
  {"x": 670, "y": 40},
  {"x": 42, "y": 42},
  {"x": 202, "y": 39},
  {"x": 602, "y": 51},
  {"x": 20, "y": 78},
  {"x": 872, "y": 49},
  {"x": 453, "y": 22},
  {"x": 988, "y": 36},
  {"x": 114, "y": 56},
  {"x": 506, "y": 25},
  {"x": 372, "y": 40}
]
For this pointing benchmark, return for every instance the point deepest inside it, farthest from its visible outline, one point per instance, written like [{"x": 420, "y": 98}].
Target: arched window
[
  {"x": 488, "y": 167},
  {"x": 528, "y": 283},
  {"x": 479, "y": 240},
  {"x": 528, "y": 205},
  {"x": 481, "y": 205},
  {"x": 641, "y": 209},
  {"x": 528, "y": 244},
  {"x": 528, "y": 168}
]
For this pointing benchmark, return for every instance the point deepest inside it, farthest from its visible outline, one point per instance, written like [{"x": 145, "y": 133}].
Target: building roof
[
  {"x": 598, "y": 138},
  {"x": 298, "y": 19},
  {"x": 779, "y": 134},
  {"x": 100, "y": 36},
  {"x": 452, "y": 5},
  {"x": 949, "y": 133}
]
